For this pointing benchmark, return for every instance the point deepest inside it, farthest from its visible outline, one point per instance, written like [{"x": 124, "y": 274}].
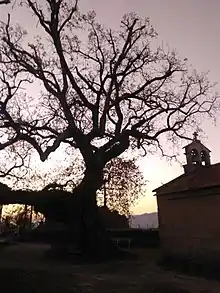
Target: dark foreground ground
[{"x": 23, "y": 269}]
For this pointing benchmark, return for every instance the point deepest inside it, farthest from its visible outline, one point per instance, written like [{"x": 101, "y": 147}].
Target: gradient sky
[{"x": 192, "y": 28}]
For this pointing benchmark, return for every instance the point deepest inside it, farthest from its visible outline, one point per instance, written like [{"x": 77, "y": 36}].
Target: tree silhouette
[
  {"x": 97, "y": 90},
  {"x": 5, "y": 2},
  {"x": 123, "y": 185}
]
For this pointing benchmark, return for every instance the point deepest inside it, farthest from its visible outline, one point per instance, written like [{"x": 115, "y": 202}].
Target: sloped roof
[
  {"x": 195, "y": 144},
  {"x": 206, "y": 176}
]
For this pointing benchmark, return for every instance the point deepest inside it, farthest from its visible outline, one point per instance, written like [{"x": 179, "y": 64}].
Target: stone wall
[{"x": 190, "y": 227}]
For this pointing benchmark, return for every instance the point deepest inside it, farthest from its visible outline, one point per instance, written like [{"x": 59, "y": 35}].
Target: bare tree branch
[
  {"x": 5, "y": 2},
  {"x": 102, "y": 95}
]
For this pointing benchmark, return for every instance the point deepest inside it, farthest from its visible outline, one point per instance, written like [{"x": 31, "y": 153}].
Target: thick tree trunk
[
  {"x": 92, "y": 237},
  {"x": 88, "y": 221}
]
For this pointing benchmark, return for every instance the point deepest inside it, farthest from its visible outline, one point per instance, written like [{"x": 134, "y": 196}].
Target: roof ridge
[{"x": 203, "y": 177}]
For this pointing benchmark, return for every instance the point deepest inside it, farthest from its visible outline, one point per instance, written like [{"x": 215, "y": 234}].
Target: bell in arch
[
  {"x": 196, "y": 154},
  {"x": 195, "y": 157}
]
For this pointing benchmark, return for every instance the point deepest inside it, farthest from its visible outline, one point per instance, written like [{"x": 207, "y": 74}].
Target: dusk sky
[{"x": 192, "y": 28}]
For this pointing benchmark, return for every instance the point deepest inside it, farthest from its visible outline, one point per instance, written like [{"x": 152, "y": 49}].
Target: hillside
[{"x": 144, "y": 221}]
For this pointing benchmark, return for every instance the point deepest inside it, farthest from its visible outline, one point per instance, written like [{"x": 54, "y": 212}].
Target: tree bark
[
  {"x": 92, "y": 238},
  {"x": 88, "y": 221}
]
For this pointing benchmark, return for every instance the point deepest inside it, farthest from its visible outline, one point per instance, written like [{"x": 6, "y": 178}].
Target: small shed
[{"x": 189, "y": 208}]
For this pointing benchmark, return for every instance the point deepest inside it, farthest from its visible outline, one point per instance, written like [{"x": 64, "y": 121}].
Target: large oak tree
[{"x": 97, "y": 90}]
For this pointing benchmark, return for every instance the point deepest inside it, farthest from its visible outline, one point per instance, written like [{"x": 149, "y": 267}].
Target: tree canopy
[
  {"x": 101, "y": 95},
  {"x": 123, "y": 186}
]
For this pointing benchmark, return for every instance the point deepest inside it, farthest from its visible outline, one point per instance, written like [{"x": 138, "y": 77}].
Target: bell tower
[{"x": 197, "y": 155}]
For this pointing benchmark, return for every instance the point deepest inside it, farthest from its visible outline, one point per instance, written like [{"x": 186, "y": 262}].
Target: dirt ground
[{"x": 23, "y": 269}]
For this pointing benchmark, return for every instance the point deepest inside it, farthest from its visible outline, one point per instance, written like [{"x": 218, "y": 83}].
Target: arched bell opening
[
  {"x": 197, "y": 155},
  {"x": 194, "y": 154},
  {"x": 205, "y": 159}
]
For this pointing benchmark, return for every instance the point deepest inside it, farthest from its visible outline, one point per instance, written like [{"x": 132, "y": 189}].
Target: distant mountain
[{"x": 144, "y": 221}]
